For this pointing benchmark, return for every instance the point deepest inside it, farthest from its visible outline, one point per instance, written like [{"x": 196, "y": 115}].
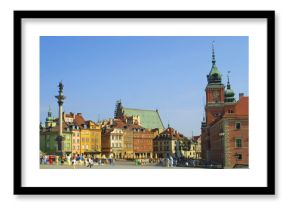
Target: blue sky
[{"x": 164, "y": 73}]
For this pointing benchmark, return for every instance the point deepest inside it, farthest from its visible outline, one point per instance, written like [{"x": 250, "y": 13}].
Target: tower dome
[
  {"x": 49, "y": 116},
  {"x": 229, "y": 93},
  {"x": 214, "y": 75}
]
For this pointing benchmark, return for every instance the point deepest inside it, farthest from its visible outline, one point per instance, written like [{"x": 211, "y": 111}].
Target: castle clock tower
[{"x": 214, "y": 92}]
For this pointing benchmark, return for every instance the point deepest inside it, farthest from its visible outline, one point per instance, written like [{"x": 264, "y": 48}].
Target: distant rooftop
[{"x": 150, "y": 119}]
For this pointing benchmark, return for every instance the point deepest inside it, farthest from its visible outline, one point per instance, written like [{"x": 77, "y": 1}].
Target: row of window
[
  {"x": 76, "y": 134},
  {"x": 87, "y": 140},
  {"x": 67, "y": 146},
  {"x": 142, "y": 141},
  {"x": 116, "y": 145},
  {"x": 86, "y": 147},
  {"x": 161, "y": 148},
  {"x": 116, "y": 137},
  {"x": 118, "y": 131},
  {"x": 164, "y": 142}
]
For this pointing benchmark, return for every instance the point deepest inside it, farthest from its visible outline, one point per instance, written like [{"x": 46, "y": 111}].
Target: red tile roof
[
  {"x": 170, "y": 133},
  {"x": 79, "y": 120},
  {"x": 242, "y": 106}
]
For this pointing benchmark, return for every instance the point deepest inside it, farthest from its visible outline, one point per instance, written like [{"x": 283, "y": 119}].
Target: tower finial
[
  {"x": 49, "y": 111},
  {"x": 213, "y": 54},
  {"x": 228, "y": 84}
]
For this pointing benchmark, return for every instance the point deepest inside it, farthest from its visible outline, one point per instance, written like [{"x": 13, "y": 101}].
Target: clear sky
[{"x": 164, "y": 73}]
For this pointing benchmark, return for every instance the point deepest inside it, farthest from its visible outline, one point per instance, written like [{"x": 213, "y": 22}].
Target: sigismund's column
[{"x": 60, "y": 99}]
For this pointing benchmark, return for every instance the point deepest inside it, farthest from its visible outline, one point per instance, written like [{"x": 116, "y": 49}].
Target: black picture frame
[{"x": 268, "y": 190}]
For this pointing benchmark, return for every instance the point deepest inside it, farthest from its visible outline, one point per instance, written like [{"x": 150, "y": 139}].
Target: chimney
[
  {"x": 72, "y": 114},
  {"x": 241, "y": 95}
]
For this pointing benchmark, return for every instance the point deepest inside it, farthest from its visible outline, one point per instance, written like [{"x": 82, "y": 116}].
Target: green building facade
[{"x": 49, "y": 145}]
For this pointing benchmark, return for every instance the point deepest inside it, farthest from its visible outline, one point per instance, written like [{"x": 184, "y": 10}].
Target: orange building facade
[{"x": 142, "y": 143}]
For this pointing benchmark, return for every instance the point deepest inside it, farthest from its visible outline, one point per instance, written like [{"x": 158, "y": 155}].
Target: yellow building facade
[{"x": 90, "y": 138}]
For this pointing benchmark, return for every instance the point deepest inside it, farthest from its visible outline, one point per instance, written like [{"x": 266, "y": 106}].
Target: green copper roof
[
  {"x": 229, "y": 93},
  {"x": 214, "y": 75},
  {"x": 215, "y": 71},
  {"x": 150, "y": 119},
  {"x": 49, "y": 119}
]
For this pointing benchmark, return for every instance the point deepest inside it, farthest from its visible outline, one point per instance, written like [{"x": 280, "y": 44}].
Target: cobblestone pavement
[{"x": 117, "y": 165}]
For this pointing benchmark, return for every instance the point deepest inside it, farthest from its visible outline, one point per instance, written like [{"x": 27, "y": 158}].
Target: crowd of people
[
  {"x": 91, "y": 160},
  {"x": 74, "y": 160}
]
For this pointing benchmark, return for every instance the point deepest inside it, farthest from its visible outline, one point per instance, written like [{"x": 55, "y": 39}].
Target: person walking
[
  {"x": 74, "y": 161},
  {"x": 62, "y": 159},
  {"x": 68, "y": 157},
  {"x": 56, "y": 159},
  {"x": 45, "y": 159},
  {"x": 90, "y": 162}
]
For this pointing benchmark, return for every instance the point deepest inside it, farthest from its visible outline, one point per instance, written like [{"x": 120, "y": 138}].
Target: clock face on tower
[{"x": 216, "y": 95}]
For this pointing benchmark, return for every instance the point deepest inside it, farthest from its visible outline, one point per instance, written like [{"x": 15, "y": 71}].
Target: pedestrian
[
  {"x": 77, "y": 159},
  {"x": 86, "y": 160},
  {"x": 62, "y": 159},
  {"x": 74, "y": 162},
  {"x": 45, "y": 159},
  {"x": 56, "y": 159},
  {"x": 68, "y": 157},
  {"x": 81, "y": 159},
  {"x": 90, "y": 162}
]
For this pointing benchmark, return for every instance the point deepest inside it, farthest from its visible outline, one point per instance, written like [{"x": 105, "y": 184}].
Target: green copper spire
[
  {"x": 49, "y": 115},
  {"x": 49, "y": 111},
  {"x": 213, "y": 55},
  {"x": 214, "y": 76},
  {"x": 228, "y": 84},
  {"x": 203, "y": 123},
  {"x": 229, "y": 93}
]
